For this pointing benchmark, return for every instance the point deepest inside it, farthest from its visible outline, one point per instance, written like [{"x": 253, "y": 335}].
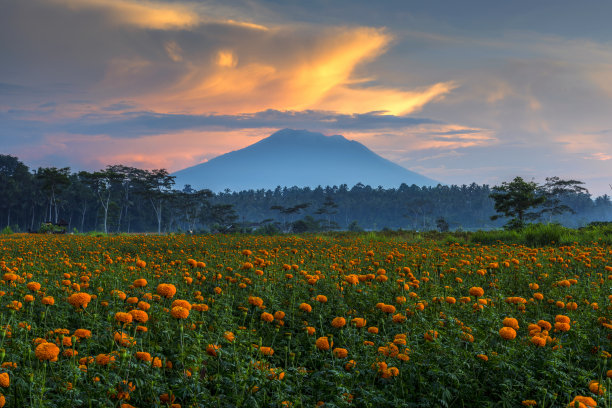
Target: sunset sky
[{"x": 459, "y": 91}]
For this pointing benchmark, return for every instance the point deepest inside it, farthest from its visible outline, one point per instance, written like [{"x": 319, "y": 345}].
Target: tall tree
[
  {"x": 158, "y": 186},
  {"x": 53, "y": 181},
  {"x": 515, "y": 200},
  {"x": 14, "y": 179}
]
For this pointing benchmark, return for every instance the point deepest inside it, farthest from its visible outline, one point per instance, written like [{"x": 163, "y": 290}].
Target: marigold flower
[
  {"x": 507, "y": 333},
  {"x": 166, "y": 290},
  {"x": 338, "y": 322},
  {"x": 511, "y": 322},
  {"x": 373, "y": 330},
  {"x": 47, "y": 352},
  {"x": 139, "y": 315},
  {"x": 229, "y": 336},
  {"x": 255, "y": 301},
  {"x": 124, "y": 318},
  {"x": 350, "y": 365},
  {"x": 321, "y": 298},
  {"x": 33, "y": 286},
  {"x": 266, "y": 351},
  {"x": 399, "y": 318},
  {"x": 340, "y": 352},
  {"x": 79, "y": 299},
  {"x": 279, "y": 315},
  {"x": 538, "y": 341},
  {"x": 5, "y": 380},
  {"x": 123, "y": 339},
  {"x": 104, "y": 359},
  {"x": 582, "y": 401},
  {"x": 48, "y": 301},
  {"x": 562, "y": 319},
  {"x": 179, "y": 312},
  {"x": 359, "y": 322},
  {"x": 310, "y": 330},
  {"x": 483, "y": 357},
  {"x": 182, "y": 303},
  {"x": 430, "y": 335},
  {"x": 476, "y": 291},
  {"x": 322, "y": 343},
  {"x": 211, "y": 349},
  {"x": 140, "y": 283},
  {"x": 562, "y": 327},
  {"x": 529, "y": 403},
  {"x": 388, "y": 308},
  {"x": 305, "y": 307},
  {"x": 267, "y": 317},
  {"x": 143, "y": 356},
  {"x": 596, "y": 388},
  {"x": 544, "y": 325}
]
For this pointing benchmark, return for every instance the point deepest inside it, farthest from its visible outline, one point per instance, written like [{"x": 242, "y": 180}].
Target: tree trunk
[{"x": 83, "y": 218}]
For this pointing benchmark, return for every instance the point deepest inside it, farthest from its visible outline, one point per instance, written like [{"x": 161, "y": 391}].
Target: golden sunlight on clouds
[
  {"x": 226, "y": 59},
  {"x": 143, "y": 14},
  {"x": 311, "y": 74}
]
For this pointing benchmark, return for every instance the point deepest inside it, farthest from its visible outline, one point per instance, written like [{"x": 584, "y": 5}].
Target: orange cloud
[
  {"x": 311, "y": 73},
  {"x": 144, "y": 14}
]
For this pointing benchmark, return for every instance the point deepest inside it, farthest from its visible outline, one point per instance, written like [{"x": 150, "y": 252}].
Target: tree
[
  {"x": 101, "y": 183},
  {"x": 515, "y": 200},
  {"x": 158, "y": 190},
  {"x": 53, "y": 180},
  {"x": 555, "y": 190},
  {"x": 14, "y": 178}
]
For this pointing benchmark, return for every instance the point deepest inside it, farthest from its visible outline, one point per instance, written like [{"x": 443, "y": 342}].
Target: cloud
[
  {"x": 138, "y": 124},
  {"x": 141, "y": 14}
]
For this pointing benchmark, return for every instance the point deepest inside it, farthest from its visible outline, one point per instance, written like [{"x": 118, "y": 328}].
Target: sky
[{"x": 458, "y": 91}]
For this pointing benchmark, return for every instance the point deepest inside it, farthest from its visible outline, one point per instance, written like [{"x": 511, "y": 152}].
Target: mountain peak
[{"x": 300, "y": 158}]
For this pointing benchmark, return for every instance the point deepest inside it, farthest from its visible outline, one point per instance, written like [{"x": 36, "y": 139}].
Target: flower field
[{"x": 223, "y": 321}]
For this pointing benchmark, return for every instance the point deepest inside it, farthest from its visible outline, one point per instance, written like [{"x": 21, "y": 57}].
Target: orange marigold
[
  {"x": 179, "y": 312},
  {"x": 143, "y": 356},
  {"x": 306, "y": 307},
  {"x": 267, "y": 317},
  {"x": 80, "y": 299},
  {"x": 182, "y": 303},
  {"x": 322, "y": 343},
  {"x": 507, "y": 333},
  {"x": 476, "y": 291},
  {"x": 5, "y": 380},
  {"x": 338, "y": 322},
  {"x": 266, "y": 351},
  {"x": 47, "y": 352},
  {"x": 124, "y": 318},
  {"x": 166, "y": 290},
  {"x": 139, "y": 315},
  {"x": 511, "y": 322},
  {"x": 33, "y": 286},
  {"x": 340, "y": 352}
]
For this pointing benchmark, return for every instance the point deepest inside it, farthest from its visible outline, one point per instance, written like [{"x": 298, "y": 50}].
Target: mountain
[{"x": 298, "y": 158}]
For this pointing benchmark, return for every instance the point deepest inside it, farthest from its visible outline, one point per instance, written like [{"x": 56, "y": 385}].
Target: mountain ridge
[{"x": 300, "y": 158}]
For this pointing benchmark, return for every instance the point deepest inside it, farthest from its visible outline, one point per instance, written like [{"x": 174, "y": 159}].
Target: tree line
[{"x": 126, "y": 199}]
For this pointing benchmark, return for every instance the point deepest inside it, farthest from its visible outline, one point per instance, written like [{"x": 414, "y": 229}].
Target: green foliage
[{"x": 7, "y": 230}]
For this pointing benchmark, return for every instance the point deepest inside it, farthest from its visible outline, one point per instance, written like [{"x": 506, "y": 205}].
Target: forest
[{"x": 123, "y": 199}]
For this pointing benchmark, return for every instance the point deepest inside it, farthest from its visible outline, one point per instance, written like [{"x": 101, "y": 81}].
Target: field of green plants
[{"x": 302, "y": 321}]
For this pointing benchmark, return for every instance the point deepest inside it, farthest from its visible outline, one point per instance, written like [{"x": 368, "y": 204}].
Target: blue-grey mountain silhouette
[{"x": 298, "y": 158}]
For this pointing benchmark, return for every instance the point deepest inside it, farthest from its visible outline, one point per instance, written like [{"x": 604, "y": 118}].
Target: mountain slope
[{"x": 297, "y": 158}]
